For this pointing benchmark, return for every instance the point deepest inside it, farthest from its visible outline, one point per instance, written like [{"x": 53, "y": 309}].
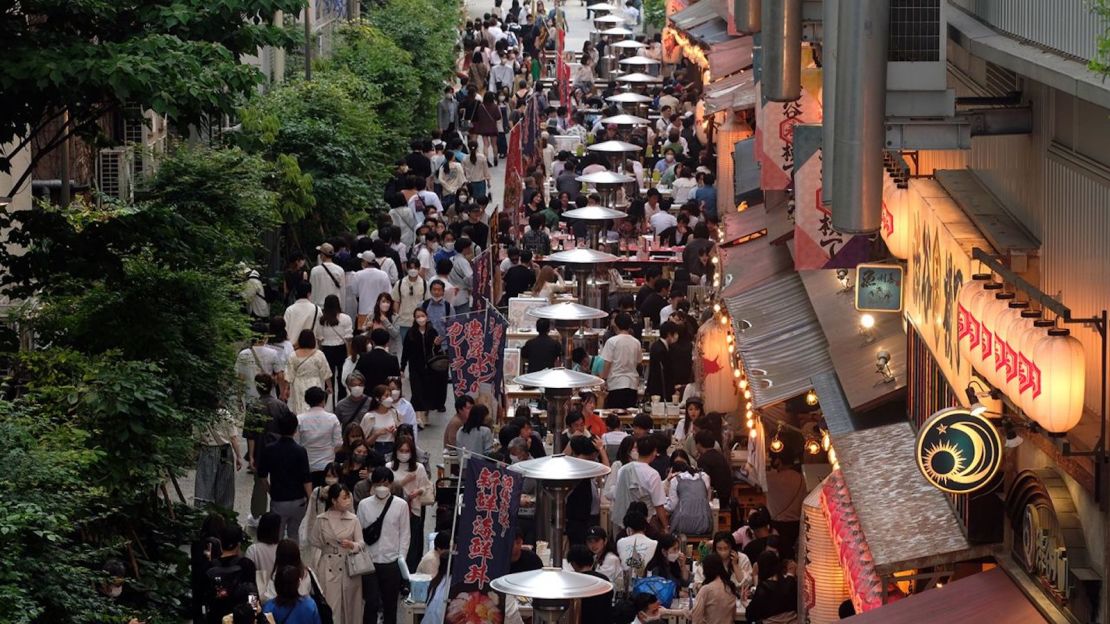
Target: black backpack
[{"x": 224, "y": 579}]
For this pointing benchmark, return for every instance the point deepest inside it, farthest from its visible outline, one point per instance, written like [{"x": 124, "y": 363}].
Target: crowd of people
[{"x": 333, "y": 429}]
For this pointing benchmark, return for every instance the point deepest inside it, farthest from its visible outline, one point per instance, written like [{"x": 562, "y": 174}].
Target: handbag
[
  {"x": 322, "y": 606},
  {"x": 438, "y": 362},
  {"x": 662, "y": 588},
  {"x": 359, "y": 563}
]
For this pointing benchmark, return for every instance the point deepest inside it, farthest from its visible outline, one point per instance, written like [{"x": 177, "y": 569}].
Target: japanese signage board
[
  {"x": 482, "y": 286},
  {"x": 775, "y": 126},
  {"x": 484, "y": 541},
  {"x": 475, "y": 343},
  {"x": 879, "y": 287},
  {"x": 958, "y": 452}
]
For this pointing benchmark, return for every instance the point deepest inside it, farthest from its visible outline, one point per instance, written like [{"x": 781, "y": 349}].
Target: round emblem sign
[{"x": 957, "y": 451}]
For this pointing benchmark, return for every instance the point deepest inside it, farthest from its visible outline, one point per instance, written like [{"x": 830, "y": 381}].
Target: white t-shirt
[
  {"x": 662, "y": 220},
  {"x": 375, "y": 421},
  {"x": 299, "y": 317},
  {"x": 318, "y": 432},
  {"x": 624, "y": 354},
  {"x": 427, "y": 261},
  {"x": 369, "y": 283},
  {"x": 323, "y": 285},
  {"x": 633, "y": 548},
  {"x": 649, "y": 480},
  {"x": 335, "y": 335},
  {"x": 272, "y": 359}
]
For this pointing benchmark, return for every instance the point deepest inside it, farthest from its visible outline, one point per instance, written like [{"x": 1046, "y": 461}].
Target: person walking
[
  {"x": 217, "y": 461},
  {"x": 319, "y": 433},
  {"x": 462, "y": 275},
  {"x": 622, "y": 354},
  {"x": 380, "y": 423},
  {"x": 385, "y": 528},
  {"x": 477, "y": 169},
  {"x": 408, "y": 294},
  {"x": 368, "y": 284},
  {"x": 261, "y": 430},
  {"x": 428, "y": 387},
  {"x": 326, "y": 278},
  {"x": 336, "y": 534},
  {"x": 302, "y": 314},
  {"x": 289, "y": 606},
  {"x": 419, "y": 492},
  {"x": 284, "y": 466},
  {"x": 307, "y": 368},
  {"x": 484, "y": 124},
  {"x": 379, "y": 364},
  {"x": 333, "y": 335},
  {"x": 385, "y": 317}
]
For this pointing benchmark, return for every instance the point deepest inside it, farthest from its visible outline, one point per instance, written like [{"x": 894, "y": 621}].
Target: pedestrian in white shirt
[
  {"x": 254, "y": 296},
  {"x": 638, "y": 481},
  {"x": 622, "y": 354},
  {"x": 217, "y": 461},
  {"x": 369, "y": 283},
  {"x": 327, "y": 278},
  {"x": 461, "y": 275},
  {"x": 259, "y": 357},
  {"x": 662, "y": 220},
  {"x": 426, "y": 255},
  {"x": 303, "y": 314},
  {"x": 388, "y": 517},
  {"x": 319, "y": 433}
]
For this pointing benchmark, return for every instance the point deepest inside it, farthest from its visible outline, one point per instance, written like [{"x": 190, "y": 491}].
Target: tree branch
[{"x": 54, "y": 143}]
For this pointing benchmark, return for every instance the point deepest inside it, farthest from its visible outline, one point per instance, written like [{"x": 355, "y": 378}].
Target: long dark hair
[
  {"x": 330, "y": 314},
  {"x": 440, "y": 574},
  {"x": 288, "y": 553},
  {"x": 476, "y": 419},
  {"x": 358, "y": 346},
  {"x": 376, "y": 315},
  {"x": 287, "y": 584},
  {"x": 411, "y": 463},
  {"x": 333, "y": 493},
  {"x": 714, "y": 568}
]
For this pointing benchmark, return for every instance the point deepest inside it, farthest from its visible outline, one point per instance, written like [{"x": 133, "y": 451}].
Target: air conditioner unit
[
  {"x": 145, "y": 133},
  {"x": 113, "y": 173}
]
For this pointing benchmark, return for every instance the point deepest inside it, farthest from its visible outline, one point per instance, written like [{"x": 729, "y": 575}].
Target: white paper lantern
[
  {"x": 896, "y": 227},
  {"x": 1006, "y": 365},
  {"x": 1029, "y": 372},
  {"x": 1015, "y": 337},
  {"x": 996, "y": 306},
  {"x": 978, "y": 306},
  {"x": 1063, "y": 372},
  {"x": 968, "y": 325}
]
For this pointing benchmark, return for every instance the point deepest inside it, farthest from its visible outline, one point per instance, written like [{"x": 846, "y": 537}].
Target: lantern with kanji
[
  {"x": 1005, "y": 365},
  {"x": 896, "y": 226},
  {"x": 1063, "y": 369},
  {"x": 967, "y": 323},
  {"x": 1029, "y": 371},
  {"x": 1016, "y": 334},
  {"x": 978, "y": 306},
  {"x": 989, "y": 352}
]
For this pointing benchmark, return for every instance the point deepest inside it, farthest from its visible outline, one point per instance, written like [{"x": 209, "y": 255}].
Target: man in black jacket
[
  {"x": 652, "y": 304},
  {"x": 715, "y": 465},
  {"x": 284, "y": 464},
  {"x": 378, "y": 365},
  {"x": 660, "y": 378},
  {"x": 520, "y": 277}
]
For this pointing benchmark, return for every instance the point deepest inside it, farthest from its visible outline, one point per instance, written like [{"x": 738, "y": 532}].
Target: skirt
[{"x": 429, "y": 390}]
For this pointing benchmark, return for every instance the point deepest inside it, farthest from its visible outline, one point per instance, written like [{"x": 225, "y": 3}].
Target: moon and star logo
[{"x": 957, "y": 451}]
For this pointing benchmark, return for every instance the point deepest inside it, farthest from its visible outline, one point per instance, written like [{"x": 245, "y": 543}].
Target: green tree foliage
[
  {"x": 1101, "y": 62},
  {"x": 428, "y": 30},
  {"x": 180, "y": 58}
]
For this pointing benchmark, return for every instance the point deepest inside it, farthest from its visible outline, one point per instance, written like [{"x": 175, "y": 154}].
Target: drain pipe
[
  {"x": 829, "y": 11},
  {"x": 782, "y": 50},
  {"x": 859, "y": 124},
  {"x": 746, "y": 13}
]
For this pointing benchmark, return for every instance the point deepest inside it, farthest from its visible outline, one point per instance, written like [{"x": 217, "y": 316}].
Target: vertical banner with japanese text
[
  {"x": 483, "y": 279},
  {"x": 484, "y": 541},
  {"x": 514, "y": 180},
  {"x": 475, "y": 344},
  {"x": 775, "y": 124}
]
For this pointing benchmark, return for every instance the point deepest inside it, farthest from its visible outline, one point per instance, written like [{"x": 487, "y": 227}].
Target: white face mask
[
  {"x": 413, "y": 272},
  {"x": 449, "y": 245},
  {"x": 672, "y": 556},
  {"x": 404, "y": 457},
  {"x": 381, "y": 492},
  {"x": 387, "y": 402},
  {"x": 114, "y": 591},
  {"x": 384, "y": 307},
  {"x": 422, "y": 321},
  {"x": 356, "y": 391},
  {"x": 331, "y": 480},
  {"x": 396, "y": 394},
  {"x": 463, "y": 199}
]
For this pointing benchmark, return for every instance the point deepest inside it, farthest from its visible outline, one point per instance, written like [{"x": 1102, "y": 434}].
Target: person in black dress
[{"x": 428, "y": 387}]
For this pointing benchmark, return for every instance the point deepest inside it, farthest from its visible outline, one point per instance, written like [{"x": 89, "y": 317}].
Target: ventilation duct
[
  {"x": 860, "y": 111},
  {"x": 746, "y": 14},
  {"x": 782, "y": 50},
  {"x": 828, "y": 97}
]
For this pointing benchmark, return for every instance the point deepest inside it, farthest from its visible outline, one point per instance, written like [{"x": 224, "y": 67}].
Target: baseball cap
[
  {"x": 367, "y": 256},
  {"x": 326, "y": 249},
  {"x": 596, "y": 533}
]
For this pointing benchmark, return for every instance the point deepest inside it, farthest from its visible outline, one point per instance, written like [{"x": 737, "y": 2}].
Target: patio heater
[
  {"x": 625, "y": 124},
  {"x": 607, "y": 65},
  {"x": 627, "y": 46},
  {"x": 569, "y": 318},
  {"x": 607, "y": 183},
  {"x": 642, "y": 64},
  {"x": 582, "y": 263},
  {"x": 552, "y": 590},
  {"x": 630, "y": 102},
  {"x": 595, "y": 217},
  {"x": 601, "y": 7},
  {"x": 639, "y": 81},
  {"x": 558, "y": 385},
  {"x": 615, "y": 151}
]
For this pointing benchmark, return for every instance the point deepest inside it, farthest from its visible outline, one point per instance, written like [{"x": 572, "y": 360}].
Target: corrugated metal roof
[
  {"x": 714, "y": 31},
  {"x": 695, "y": 15},
  {"x": 906, "y": 521},
  {"x": 834, "y": 404},
  {"x": 779, "y": 338}
]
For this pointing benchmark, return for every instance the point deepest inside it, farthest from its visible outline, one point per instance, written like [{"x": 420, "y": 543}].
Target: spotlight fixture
[
  {"x": 867, "y": 328},
  {"x": 826, "y": 442},
  {"x": 882, "y": 366},
  {"x": 977, "y": 408},
  {"x": 813, "y": 447},
  {"x": 811, "y": 397},
  {"x": 736, "y": 373}
]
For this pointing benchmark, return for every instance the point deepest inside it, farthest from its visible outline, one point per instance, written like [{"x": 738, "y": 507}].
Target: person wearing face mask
[
  {"x": 336, "y": 533},
  {"x": 425, "y": 255},
  {"x": 418, "y": 489},
  {"x": 385, "y": 317},
  {"x": 355, "y": 405},
  {"x": 380, "y": 423},
  {"x": 318, "y": 504},
  {"x": 670, "y": 561},
  {"x": 385, "y": 524},
  {"x": 446, "y": 251},
  {"x": 451, "y": 178},
  {"x": 408, "y": 294},
  {"x": 646, "y": 609},
  {"x": 428, "y": 387},
  {"x": 406, "y": 413},
  {"x": 378, "y": 365}
]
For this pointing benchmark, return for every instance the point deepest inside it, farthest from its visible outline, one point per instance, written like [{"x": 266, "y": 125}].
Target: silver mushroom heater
[
  {"x": 552, "y": 590},
  {"x": 639, "y": 81},
  {"x": 558, "y": 385},
  {"x": 643, "y": 64},
  {"x": 616, "y": 152},
  {"x": 595, "y": 218},
  {"x": 582, "y": 263},
  {"x": 607, "y": 68},
  {"x": 624, "y": 123},
  {"x": 630, "y": 102},
  {"x": 608, "y": 183},
  {"x": 557, "y": 475},
  {"x": 627, "y": 47},
  {"x": 569, "y": 317}
]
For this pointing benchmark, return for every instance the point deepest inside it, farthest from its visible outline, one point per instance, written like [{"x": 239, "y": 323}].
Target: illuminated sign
[
  {"x": 879, "y": 287},
  {"x": 957, "y": 451}
]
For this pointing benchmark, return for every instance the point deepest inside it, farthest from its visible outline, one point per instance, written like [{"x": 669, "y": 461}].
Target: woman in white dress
[
  {"x": 418, "y": 492},
  {"x": 380, "y": 423},
  {"x": 384, "y": 317},
  {"x": 337, "y": 533},
  {"x": 307, "y": 368}
]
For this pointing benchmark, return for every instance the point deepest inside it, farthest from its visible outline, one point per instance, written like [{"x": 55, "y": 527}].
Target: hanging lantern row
[{"x": 1040, "y": 366}]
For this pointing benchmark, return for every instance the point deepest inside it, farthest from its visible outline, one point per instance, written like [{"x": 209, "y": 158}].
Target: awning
[
  {"x": 712, "y": 32},
  {"x": 905, "y": 522},
  {"x": 705, "y": 22},
  {"x": 779, "y": 338},
  {"x": 695, "y": 15},
  {"x": 853, "y": 353},
  {"x": 989, "y": 596},
  {"x": 733, "y": 92}
]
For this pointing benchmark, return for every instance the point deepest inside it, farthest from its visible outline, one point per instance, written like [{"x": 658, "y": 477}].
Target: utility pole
[
  {"x": 354, "y": 10},
  {"x": 308, "y": 41},
  {"x": 279, "y": 53},
  {"x": 66, "y": 192}
]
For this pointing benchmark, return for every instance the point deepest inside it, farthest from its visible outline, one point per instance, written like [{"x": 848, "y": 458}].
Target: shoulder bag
[
  {"x": 372, "y": 533},
  {"x": 437, "y": 361}
]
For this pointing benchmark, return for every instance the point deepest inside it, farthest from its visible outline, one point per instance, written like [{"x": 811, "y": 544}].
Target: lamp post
[
  {"x": 558, "y": 475},
  {"x": 552, "y": 590}
]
